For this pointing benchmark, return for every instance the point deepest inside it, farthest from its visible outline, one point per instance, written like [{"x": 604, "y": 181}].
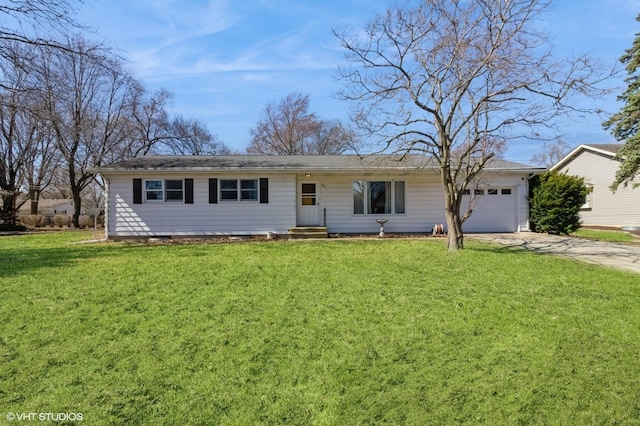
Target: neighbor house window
[
  {"x": 163, "y": 190},
  {"x": 378, "y": 197},
  {"x": 239, "y": 189},
  {"x": 588, "y": 199}
]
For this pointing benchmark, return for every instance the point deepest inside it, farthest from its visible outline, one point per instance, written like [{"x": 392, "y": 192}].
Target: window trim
[{"x": 366, "y": 201}]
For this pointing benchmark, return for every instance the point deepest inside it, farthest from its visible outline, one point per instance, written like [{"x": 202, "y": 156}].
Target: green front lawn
[
  {"x": 324, "y": 332},
  {"x": 606, "y": 235}
]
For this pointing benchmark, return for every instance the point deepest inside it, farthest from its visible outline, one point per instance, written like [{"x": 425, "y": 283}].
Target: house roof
[
  {"x": 47, "y": 203},
  {"x": 606, "y": 149},
  {"x": 294, "y": 163}
]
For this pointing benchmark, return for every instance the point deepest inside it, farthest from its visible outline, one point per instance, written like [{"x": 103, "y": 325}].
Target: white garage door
[{"x": 494, "y": 210}]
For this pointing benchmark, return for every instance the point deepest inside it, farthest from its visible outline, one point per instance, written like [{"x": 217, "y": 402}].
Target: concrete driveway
[{"x": 620, "y": 256}]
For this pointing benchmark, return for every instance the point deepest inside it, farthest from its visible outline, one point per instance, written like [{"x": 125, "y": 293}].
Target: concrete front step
[{"x": 308, "y": 232}]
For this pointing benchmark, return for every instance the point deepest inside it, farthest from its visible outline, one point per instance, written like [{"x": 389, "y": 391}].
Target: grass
[
  {"x": 324, "y": 332},
  {"x": 606, "y": 235}
]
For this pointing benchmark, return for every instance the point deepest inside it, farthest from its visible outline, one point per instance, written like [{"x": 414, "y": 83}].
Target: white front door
[{"x": 308, "y": 204}]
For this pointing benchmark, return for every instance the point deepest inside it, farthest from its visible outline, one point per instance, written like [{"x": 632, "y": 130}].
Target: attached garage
[{"x": 494, "y": 210}]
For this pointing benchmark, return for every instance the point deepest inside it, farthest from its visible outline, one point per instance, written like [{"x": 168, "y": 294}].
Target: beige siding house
[
  {"x": 597, "y": 165},
  {"x": 257, "y": 195}
]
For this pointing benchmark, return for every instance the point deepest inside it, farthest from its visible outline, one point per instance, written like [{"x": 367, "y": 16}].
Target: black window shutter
[
  {"x": 137, "y": 191},
  {"x": 264, "y": 190},
  {"x": 213, "y": 191},
  {"x": 188, "y": 191}
]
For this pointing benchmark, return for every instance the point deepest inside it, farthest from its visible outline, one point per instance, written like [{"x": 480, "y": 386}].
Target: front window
[
  {"x": 239, "y": 189},
  {"x": 163, "y": 190},
  {"x": 173, "y": 190},
  {"x": 378, "y": 197},
  {"x": 228, "y": 189},
  {"x": 249, "y": 190},
  {"x": 153, "y": 190}
]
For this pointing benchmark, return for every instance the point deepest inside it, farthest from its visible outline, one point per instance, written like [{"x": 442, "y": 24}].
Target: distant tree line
[{"x": 68, "y": 104}]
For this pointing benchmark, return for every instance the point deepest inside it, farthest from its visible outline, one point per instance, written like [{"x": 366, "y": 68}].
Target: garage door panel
[{"x": 494, "y": 211}]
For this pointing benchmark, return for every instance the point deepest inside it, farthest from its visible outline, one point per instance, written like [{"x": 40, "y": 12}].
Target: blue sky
[{"x": 224, "y": 60}]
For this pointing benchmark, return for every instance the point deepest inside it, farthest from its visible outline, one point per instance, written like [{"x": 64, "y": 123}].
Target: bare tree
[
  {"x": 332, "y": 138},
  {"x": 288, "y": 128},
  {"x": 41, "y": 162},
  {"x": 18, "y": 128},
  {"x": 149, "y": 123},
  {"x": 33, "y": 23},
  {"x": 551, "y": 153},
  {"x": 284, "y": 128},
  {"x": 456, "y": 79},
  {"x": 88, "y": 105},
  {"x": 189, "y": 136}
]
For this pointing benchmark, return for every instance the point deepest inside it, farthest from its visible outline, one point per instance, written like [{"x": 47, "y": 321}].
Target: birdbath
[{"x": 382, "y": 222}]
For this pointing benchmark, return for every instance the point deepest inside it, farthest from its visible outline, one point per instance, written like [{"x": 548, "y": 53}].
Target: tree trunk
[
  {"x": 34, "y": 196},
  {"x": 452, "y": 200},
  {"x": 77, "y": 205},
  {"x": 8, "y": 210},
  {"x": 455, "y": 237}
]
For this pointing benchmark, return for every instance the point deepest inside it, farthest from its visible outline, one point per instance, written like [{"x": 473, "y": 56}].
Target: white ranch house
[{"x": 195, "y": 196}]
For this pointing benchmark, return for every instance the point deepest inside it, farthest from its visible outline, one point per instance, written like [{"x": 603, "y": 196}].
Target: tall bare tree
[
  {"x": 41, "y": 162},
  {"x": 455, "y": 79},
  {"x": 189, "y": 136},
  {"x": 88, "y": 104},
  {"x": 18, "y": 126},
  {"x": 284, "y": 128},
  {"x": 149, "y": 123},
  {"x": 332, "y": 138},
  {"x": 33, "y": 23},
  {"x": 288, "y": 128}
]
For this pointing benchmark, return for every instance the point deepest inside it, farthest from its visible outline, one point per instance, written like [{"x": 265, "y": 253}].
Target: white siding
[
  {"x": 201, "y": 218},
  {"x": 608, "y": 209},
  {"x": 424, "y": 205}
]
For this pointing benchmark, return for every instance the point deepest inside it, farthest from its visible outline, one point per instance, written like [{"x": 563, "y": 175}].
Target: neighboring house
[
  {"x": 597, "y": 164},
  {"x": 253, "y": 195},
  {"x": 49, "y": 207}
]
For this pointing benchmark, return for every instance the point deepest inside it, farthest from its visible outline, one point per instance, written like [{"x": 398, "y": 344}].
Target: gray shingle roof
[{"x": 300, "y": 163}]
